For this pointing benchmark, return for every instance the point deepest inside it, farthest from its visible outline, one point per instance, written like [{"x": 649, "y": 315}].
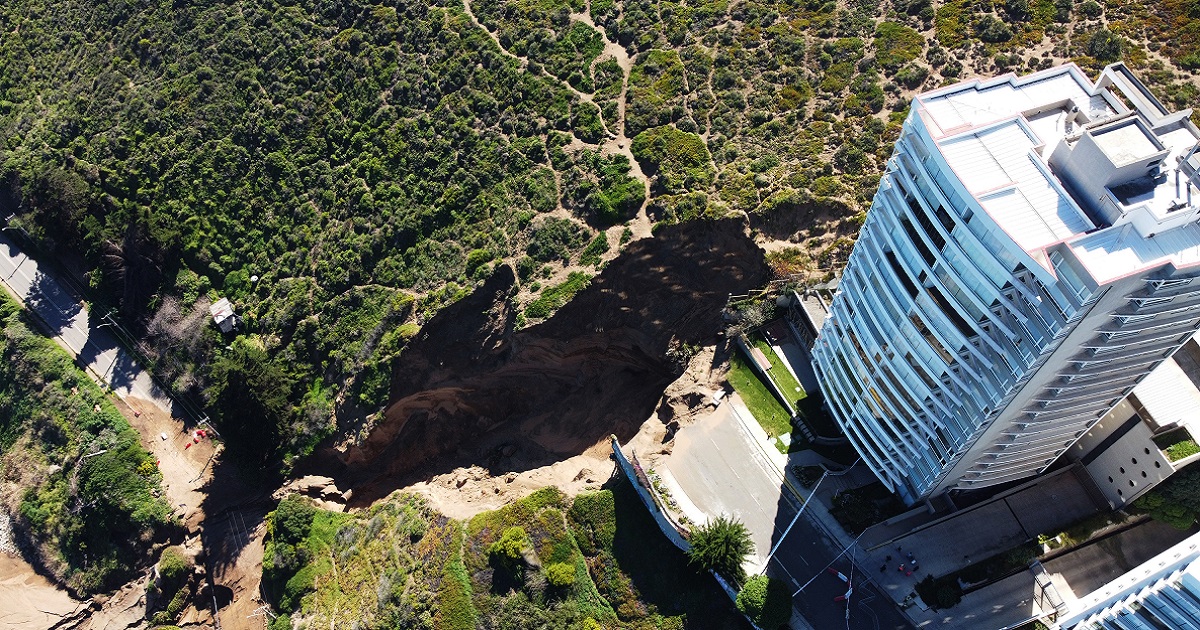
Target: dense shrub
[
  {"x": 677, "y": 160},
  {"x": 896, "y": 45},
  {"x": 560, "y": 575},
  {"x": 993, "y": 30},
  {"x": 766, "y": 601},
  {"x": 511, "y": 545},
  {"x": 1105, "y": 45},
  {"x": 173, "y": 567},
  {"x": 721, "y": 545}
]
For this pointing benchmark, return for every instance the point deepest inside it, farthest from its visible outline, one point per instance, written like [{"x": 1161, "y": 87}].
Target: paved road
[
  {"x": 717, "y": 463},
  {"x": 89, "y": 341}
]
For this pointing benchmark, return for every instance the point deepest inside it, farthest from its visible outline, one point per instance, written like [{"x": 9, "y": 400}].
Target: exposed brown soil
[
  {"x": 472, "y": 390},
  {"x": 184, "y": 460}
]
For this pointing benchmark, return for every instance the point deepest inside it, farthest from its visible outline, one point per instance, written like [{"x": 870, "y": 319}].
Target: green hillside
[
  {"x": 76, "y": 479},
  {"x": 341, "y": 170},
  {"x": 546, "y": 561}
]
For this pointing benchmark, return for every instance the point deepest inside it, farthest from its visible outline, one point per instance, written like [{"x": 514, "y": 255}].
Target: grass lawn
[
  {"x": 787, "y": 383},
  {"x": 775, "y": 420}
]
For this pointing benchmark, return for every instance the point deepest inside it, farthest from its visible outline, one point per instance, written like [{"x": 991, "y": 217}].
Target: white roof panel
[
  {"x": 975, "y": 103},
  {"x": 1168, "y": 395},
  {"x": 998, "y": 167}
]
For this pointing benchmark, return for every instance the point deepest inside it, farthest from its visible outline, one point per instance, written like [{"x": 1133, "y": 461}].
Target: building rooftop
[
  {"x": 1052, "y": 158},
  {"x": 1000, "y": 168}
]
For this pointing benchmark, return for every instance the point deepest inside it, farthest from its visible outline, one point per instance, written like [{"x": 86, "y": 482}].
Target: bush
[
  {"x": 510, "y": 547},
  {"x": 721, "y": 545},
  {"x": 1105, "y": 45},
  {"x": 992, "y": 30},
  {"x": 177, "y": 604},
  {"x": 766, "y": 601},
  {"x": 554, "y": 297},
  {"x": 679, "y": 160},
  {"x": 173, "y": 567},
  {"x": 592, "y": 253},
  {"x": 939, "y": 594},
  {"x": 292, "y": 519},
  {"x": 560, "y": 575},
  {"x": 896, "y": 45},
  {"x": 282, "y": 622},
  {"x": 912, "y": 75},
  {"x": 297, "y": 587}
]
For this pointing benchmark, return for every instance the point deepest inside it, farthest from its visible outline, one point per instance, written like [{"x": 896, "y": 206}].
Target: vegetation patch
[
  {"x": 656, "y": 91},
  {"x": 763, "y": 405},
  {"x": 860, "y": 508},
  {"x": 947, "y": 591},
  {"x": 677, "y": 160},
  {"x": 552, "y": 298},
  {"x": 896, "y": 45},
  {"x": 721, "y": 545},
  {"x": 766, "y": 601},
  {"x": 1175, "y": 501},
  {"x": 1177, "y": 444},
  {"x": 89, "y": 493}
]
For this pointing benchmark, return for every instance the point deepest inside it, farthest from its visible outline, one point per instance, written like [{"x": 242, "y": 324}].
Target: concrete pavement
[{"x": 725, "y": 464}]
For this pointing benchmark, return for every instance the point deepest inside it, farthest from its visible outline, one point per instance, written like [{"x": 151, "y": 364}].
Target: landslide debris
[{"x": 472, "y": 390}]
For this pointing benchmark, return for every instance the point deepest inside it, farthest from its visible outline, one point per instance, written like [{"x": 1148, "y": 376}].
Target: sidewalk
[{"x": 795, "y": 358}]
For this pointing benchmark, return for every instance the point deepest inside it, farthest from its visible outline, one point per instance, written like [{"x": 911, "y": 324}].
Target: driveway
[{"x": 720, "y": 466}]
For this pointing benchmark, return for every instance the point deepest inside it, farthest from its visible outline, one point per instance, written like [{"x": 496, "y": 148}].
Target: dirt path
[
  {"x": 618, "y": 142},
  {"x": 185, "y": 463}
]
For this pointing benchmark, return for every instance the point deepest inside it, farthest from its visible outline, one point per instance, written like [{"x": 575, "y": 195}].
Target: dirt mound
[{"x": 470, "y": 390}]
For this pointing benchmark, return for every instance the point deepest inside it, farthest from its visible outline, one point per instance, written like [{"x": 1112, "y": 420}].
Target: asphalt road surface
[
  {"x": 69, "y": 322},
  {"x": 718, "y": 465}
]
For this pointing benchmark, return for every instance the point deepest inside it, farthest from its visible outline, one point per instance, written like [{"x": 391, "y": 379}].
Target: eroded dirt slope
[{"x": 470, "y": 390}]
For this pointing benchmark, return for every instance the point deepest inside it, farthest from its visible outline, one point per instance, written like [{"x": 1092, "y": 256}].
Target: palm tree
[{"x": 720, "y": 546}]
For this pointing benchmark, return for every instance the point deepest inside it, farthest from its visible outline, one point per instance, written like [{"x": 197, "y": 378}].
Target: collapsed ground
[{"x": 473, "y": 390}]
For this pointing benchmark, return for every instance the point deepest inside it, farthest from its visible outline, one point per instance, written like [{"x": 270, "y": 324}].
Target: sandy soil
[
  {"x": 242, "y": 532},
  {"x": 185, "y": 469},
  {"x": 465, "y": 492},
  {"x": 30, "y": 601}
]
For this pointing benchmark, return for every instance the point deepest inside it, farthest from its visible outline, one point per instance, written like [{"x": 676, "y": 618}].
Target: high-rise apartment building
[{"x": 1031, "y": 254}]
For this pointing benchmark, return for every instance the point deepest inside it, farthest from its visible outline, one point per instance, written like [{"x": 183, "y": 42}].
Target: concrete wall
[{"x": 660, "y": 517}]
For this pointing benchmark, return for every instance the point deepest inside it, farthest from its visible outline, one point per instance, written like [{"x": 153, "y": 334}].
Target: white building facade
[
  {"x": 1161, "y": 594},
  {"x": 1031, "y": 254}
]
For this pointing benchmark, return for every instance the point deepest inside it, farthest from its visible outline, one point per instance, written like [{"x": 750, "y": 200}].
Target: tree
[
  {"x": 720, "y": 546},
  {"x": 766, "y": 601},
  {"x": 250, "y": 393}
]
